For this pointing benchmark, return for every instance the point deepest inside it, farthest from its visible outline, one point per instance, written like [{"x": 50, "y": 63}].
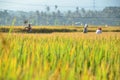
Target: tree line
[{"x": 107, "y": 16}]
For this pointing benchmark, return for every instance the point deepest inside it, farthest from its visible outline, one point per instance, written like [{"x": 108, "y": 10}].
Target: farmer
[
  {"x": 99, "y": 31},
  {"x": 85, "y": 28},
  {"x": 28, "y": 28}
]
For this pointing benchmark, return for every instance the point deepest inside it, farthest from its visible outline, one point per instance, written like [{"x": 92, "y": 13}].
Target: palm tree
[
  {"x": 77, "y": 9},
  {"x": 48, "y": 9},
  {"x": 56, "y": 7},
  {"x": 55, "y": 22}
]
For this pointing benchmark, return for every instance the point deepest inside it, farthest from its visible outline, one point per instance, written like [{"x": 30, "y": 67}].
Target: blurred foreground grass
[{"x": 60, "y": 56}]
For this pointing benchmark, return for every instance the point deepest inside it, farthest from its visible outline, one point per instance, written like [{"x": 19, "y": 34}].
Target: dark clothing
[{"x": 85, "y": 30}]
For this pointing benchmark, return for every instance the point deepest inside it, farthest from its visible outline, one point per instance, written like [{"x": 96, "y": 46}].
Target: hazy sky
[{"x": 29, "y": 5}]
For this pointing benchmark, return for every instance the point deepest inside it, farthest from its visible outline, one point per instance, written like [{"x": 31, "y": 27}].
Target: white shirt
[
  {"x": 85, "y": 26},
  {"x": 98, "y": 31}
]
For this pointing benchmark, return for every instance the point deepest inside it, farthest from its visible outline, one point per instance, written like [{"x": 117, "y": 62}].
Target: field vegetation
[{"x": 63, "y": 54}]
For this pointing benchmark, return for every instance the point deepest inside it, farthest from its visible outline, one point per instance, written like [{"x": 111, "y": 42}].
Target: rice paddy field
[{"x": 59, "y": 53}]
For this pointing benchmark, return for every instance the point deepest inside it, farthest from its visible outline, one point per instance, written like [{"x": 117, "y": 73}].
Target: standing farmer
[{"x": 85, "y": 28}]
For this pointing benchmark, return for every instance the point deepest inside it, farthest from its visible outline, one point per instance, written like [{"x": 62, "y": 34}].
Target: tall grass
[{"x": 62, "y": 58}]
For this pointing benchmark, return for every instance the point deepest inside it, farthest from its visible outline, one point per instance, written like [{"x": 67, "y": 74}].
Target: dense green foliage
[{"x": 108, "y": 16}]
